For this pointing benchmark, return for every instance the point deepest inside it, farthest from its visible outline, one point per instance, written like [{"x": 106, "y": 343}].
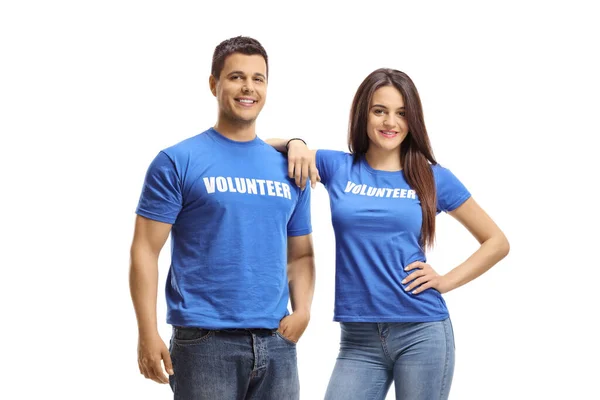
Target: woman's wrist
[{"x": 287, "y": 145}]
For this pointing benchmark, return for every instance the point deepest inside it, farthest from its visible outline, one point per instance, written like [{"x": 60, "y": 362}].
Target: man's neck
[{"x": 239, "y": 132}]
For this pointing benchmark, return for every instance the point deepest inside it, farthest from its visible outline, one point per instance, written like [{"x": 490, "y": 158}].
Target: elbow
[
  {"x": 305, "y": 259},
  {"x": 301, "y": 265},
  {"x": 503, "y": 247}
]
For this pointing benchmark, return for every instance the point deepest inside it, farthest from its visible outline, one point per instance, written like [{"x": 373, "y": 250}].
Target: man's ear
[{"x": 212, "y": 83}]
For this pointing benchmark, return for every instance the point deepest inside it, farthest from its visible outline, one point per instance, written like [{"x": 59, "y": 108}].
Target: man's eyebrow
[{"x": 242, "y": 73}]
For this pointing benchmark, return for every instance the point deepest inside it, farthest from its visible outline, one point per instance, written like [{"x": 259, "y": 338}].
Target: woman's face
[{"x": 386, "y": 125}]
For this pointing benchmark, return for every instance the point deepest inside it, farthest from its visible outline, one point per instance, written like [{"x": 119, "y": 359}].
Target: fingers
[
  {"x": 424, "y": 277},
  {"x": 291, "y": 167},
  {"x": 289, "y": 335},
  {"x": 304, "y": 175},
  {"x": 142, "y": 369},
  {"x": 292, "y": 338},
  {"x": 423, "y": 287},
  {"x": 416, "y": 283},
  {"x": 301, "y": 168},
  {"x": 413, "y": 276},
  {"x": 314, "y": 175},
  {"x": 157, "y": 374},
  {"x": 167, "y": 362},
  {"x": 282, "y": 325},
  {"x": 153, "y": 370},
  {"x": 148, "y": 371},
  {"x": 421, "y": 279},
  {"x": 286, "y": 329},
  {"x": 416, "y": 264},
  {"x": 298, "y": 174}
]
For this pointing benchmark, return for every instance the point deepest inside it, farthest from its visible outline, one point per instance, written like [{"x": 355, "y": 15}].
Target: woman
[{"x": 384, "y": 196}]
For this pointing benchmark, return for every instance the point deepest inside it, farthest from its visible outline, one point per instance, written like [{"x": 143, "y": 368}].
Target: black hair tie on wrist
[{"x": 288, "y": 143}]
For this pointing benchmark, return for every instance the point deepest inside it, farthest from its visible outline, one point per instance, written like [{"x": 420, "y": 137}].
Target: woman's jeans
[{"x": 417, "y": 356}]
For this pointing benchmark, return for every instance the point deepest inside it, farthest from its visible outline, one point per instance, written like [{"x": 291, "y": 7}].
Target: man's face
[{"x": 241, "y": 90}]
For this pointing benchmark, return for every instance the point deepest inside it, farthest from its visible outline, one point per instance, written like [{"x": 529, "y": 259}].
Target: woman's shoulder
[
  {"x": 440, "y": 171},
  {"x": 333, "y": 156},
  {"x": 332, "y": 153}
]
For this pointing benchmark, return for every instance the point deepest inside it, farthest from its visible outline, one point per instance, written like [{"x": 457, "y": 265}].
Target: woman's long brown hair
[{"x": 415, "y": 151}]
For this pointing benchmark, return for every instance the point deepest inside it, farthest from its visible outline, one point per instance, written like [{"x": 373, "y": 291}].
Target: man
[{"x": 236, "y": 220}]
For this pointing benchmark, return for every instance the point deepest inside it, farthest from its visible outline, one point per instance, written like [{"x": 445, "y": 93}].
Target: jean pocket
[
  {"x": 288, "y": 341},
  {"x": 187, "y": 336}
]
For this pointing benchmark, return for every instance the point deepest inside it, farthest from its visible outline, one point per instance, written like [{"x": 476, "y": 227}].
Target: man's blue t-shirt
[
  {"x": 232, "y": 207},
  {"x": 377, "y": 221}
]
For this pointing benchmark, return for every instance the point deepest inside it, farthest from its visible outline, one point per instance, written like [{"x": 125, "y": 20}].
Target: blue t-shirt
[
  {"x": 377, "y": 223},
  {"x": 232, "y": 207}
]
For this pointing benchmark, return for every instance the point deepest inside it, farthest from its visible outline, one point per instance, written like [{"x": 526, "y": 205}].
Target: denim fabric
[
  {"x": 417, "y": 356},
  {"x": 240, "y": 364}
]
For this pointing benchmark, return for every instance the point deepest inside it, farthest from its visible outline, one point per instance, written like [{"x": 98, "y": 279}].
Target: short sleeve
[
  {"x": 328, "y": 162},
  {"x": 161, "y": 198},
  {"x": 451, "y": 192},
  {"x": 300, "y": 222}
]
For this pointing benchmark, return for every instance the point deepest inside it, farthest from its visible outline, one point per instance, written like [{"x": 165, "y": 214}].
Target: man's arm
[
  {"x": 148, "y": 240},
  {"x": 301, "y": 280}
]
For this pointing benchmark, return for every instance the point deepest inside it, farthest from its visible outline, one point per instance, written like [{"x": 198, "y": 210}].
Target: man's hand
[
  {"x": 302, "y": 164},
  {"x": 151, "y": 351},
  {"x": 293, "y": 326}
]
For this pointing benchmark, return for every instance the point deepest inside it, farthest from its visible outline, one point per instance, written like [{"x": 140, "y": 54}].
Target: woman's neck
[{"x": 384, "y": 160}]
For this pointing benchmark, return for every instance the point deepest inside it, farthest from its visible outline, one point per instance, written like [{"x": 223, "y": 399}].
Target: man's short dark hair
[{"x": 240, "y": 44}]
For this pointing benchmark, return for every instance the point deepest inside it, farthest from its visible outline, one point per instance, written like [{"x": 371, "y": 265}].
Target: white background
[{"x": 91, "y": 91}]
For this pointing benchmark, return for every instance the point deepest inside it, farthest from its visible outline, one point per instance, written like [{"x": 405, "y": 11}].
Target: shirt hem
[
  {"x": 457, "y": 204},
  {"x": 155, "y": 217},
  {"x": 426, "y": 318},
  {"x": 300, "y": 232},
  {"x": 264, "y": 323}
]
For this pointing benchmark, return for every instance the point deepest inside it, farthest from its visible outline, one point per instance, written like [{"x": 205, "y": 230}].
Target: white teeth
[{"x": 246, "y": 101}]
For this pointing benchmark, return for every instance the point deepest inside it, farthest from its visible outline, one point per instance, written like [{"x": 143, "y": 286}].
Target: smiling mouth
[
  {"x": 389, "y": 134},
  {"x": 245, "y": 102}
]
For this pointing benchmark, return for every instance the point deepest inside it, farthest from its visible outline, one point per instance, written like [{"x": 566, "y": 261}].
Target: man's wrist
[
  {"x": 302, "y": 313},
  {"x": 145, "y": 333}
]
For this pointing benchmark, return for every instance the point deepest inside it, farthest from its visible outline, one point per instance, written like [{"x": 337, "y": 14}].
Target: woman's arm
[
  {"x": 494, "y": 247},
  {"x": 301, "y": 160},
  {"x": 278, "y": 144}
]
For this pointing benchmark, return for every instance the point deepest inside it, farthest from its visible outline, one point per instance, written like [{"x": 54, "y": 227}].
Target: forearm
[
  {"x": 278, "y": 144},
  {"x": 301, "y": 278},
  {"x": 143, "y": 285},
  {"x": 489, "y": 254}
]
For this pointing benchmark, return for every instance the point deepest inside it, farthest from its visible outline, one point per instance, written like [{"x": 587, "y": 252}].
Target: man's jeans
[
  {"x": 241, "y": 364},
  {"x": 417, "y": 356}
]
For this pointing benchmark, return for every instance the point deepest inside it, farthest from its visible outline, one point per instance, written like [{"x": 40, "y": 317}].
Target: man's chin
[
  {"x": 244, "y": 120},
  {"x": 239, "y": 118}
]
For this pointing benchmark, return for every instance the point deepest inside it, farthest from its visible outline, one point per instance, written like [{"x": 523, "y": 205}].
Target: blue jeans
[
  {"x": 233, "y": 365},
  {"x": 417, "y": 356}
]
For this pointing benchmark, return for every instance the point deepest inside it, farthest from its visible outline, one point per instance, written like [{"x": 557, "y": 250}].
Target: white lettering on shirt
[{"x": 248, "y": 186}]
